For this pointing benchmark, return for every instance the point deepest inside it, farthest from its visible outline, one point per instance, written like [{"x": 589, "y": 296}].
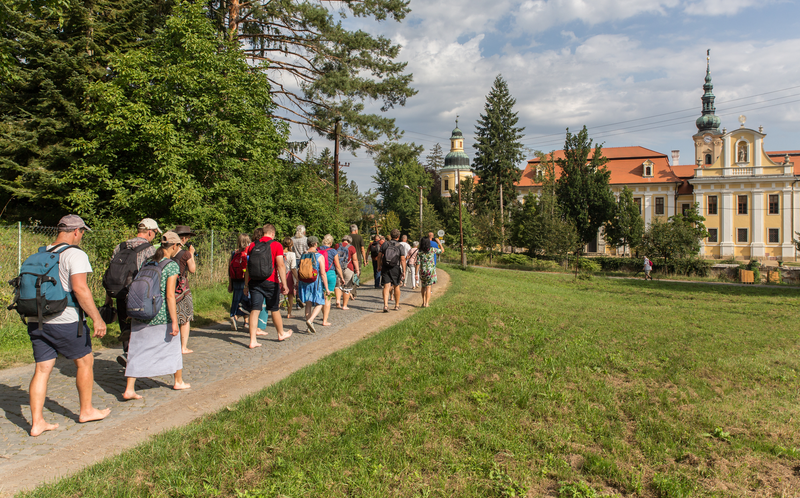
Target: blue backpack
[
  {"x": 144, "y": 293},
  {"x": 344, "y": 256},
  {"x": 37, "y": 289}
]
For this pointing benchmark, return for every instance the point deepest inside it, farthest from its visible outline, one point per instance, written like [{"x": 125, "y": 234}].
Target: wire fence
[{"x": 17, "y": 242}]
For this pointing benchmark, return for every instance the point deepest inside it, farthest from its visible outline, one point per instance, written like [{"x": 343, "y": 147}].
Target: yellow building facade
[{"x": 456, "y": 164}]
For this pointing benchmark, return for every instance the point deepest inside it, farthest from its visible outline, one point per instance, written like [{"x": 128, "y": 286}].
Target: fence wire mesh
[{"x": 17, "y": 242}]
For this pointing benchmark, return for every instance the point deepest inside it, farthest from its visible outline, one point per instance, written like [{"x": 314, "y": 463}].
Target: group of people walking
[{"x": 303, "y": 268}]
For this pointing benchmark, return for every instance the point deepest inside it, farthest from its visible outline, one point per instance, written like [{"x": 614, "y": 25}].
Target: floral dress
[{"x": 427, "y": 266}]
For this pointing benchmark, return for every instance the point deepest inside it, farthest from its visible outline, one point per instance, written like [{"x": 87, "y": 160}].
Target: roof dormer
[{"x": 648, "y": 169}]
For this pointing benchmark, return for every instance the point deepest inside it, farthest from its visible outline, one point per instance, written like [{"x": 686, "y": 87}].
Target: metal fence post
[
  {"x": 212, "y": 254},
  {"x": 19, "y": 247}
]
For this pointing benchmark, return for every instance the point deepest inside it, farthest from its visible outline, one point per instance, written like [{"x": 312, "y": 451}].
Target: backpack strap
[{"x": 72, "y": 301}]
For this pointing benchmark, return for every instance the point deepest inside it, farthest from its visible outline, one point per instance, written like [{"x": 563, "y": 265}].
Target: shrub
[
  {"x": 514, "y": 259},
  {"x": 589, "y": 265}
]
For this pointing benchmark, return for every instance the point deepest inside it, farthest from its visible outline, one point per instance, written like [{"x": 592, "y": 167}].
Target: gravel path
[{"x": 221, "y": 370}]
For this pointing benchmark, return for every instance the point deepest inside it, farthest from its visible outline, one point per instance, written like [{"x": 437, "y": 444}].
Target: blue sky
[{"x": 630, "y": 70}]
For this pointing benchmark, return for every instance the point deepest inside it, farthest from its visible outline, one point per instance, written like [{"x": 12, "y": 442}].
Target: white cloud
[
  {"x": 720, "y": 7},
  {"x": 539, "y": 15}
]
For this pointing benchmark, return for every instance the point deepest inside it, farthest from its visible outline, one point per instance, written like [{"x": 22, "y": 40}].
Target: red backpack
[
  {"x": 325, "y": 255},
  {"x": 237, "y": 266}
]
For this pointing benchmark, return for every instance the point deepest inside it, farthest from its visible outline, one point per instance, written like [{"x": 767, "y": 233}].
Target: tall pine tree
[{"x": 497, "y": 140}]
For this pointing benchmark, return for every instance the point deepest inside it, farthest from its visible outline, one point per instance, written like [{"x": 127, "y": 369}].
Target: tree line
[{"x": 180, "y": 111}]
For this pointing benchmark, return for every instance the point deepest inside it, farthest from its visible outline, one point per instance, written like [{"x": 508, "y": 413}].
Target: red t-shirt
[
  {"x": 277, "y": 250},
  {"x": 352, "y": 250}
]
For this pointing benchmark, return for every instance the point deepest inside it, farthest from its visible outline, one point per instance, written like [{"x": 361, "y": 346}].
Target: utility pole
[
  {"x": 420, "y": 211},
  {"x": 336, "y": 130},
  {"x": 502, "y": 223},
  {"x": 460, "y": 223}
]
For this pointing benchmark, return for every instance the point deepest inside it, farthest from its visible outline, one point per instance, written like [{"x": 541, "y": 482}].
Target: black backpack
[
  {"x": 374, "y": 250},
  {"x": 122, "y": 269},
  {"x": 144, "y": 294},
  {"x": 259, "y": 266},
  {"x": 392, "y": 254}
]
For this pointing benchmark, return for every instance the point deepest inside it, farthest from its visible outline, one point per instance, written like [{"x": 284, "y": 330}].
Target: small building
[{"x": 746, "y": 194}]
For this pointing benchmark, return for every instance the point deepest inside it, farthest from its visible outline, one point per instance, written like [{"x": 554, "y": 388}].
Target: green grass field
[{"x": 512, "y": 384}]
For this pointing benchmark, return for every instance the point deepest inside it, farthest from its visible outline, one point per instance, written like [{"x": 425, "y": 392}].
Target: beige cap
[
  {"x": 71, "y": 222},
  {"x": 148, "y": 224},
  {"x": 170, "y": 238}
]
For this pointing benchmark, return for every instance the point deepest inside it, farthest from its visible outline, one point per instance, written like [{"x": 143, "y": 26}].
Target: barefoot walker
[{"x": 53, "y": 294}]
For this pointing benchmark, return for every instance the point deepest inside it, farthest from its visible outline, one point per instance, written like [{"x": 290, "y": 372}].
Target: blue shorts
[
  {"x": 264, "y": 293},
  {"x": 62, "y": 338},
  {"x": 331, "y": 274}
]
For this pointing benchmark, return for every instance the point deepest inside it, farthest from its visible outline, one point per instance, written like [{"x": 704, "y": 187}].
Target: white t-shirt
[
  {"x": 406, "y": 247},
  {"x": 290, "y": 258},
  {"x": 72, "y": 262}
]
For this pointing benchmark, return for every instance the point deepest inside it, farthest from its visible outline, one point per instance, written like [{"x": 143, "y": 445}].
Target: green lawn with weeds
[{"x": 512, "y": 384}]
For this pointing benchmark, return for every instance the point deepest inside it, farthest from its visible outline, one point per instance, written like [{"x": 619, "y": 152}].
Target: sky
[{"x": 630, "y": 70}]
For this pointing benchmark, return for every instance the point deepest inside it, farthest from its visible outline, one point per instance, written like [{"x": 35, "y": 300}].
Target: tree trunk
[{"x": 233, "y": 20}]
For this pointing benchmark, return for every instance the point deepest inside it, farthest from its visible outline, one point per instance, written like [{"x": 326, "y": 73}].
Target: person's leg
[
  {"x": 377, "y": 274},
  {"x": 84, "y": 379},
  {"x": 307, "y": 312},
  {"x": 179, "y": 383},
  {"x": 345, "y": 300},
  {"x": 423, "y": 289},
  {"x": 253, "y": 326},
  {"x": 278, "y": 322},
  {"x": 130, "y": 389},
  {"x": 397, "y": 296},
  {"x": 386, "y": 290},
  {"x": 326, "y": 311},
  {"x": 38, "y": 393},
  {"x": 289, "y": 305},
  {"x": 124, "y": 323},
  {"x": 338, "y": 292},
  {"x": 185, "y": 328},
  {"x": 428, "y": 292},
  {"x": 314, "y": 312}
]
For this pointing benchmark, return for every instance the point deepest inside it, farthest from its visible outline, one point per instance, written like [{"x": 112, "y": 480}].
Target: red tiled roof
[
  {"x": 624, "y": 163},
  {"x": 794, "y": 156}
]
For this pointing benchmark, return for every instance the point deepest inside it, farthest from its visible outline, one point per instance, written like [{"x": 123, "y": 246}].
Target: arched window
[
  {"x": 708, "y": 158},
  {"x": 648, "y": 171},
  {"x": 446, "y": 184}
]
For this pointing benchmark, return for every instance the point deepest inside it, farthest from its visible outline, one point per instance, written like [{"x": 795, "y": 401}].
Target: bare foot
[
  {"x": 187, "y": 351},
  {"x": 282, "y": 337},
  {"x": 345, "y": 308},
  {"x": 93, "y": 415},
  {"x": 289, "y": 316},
  {"x": 326, "y": 324},
  {"x": 261, "y": 332},
  {"x": 129, "y": 395},
  {"x": 183, "y": 385},
  {"x": 254, "y": 345},
  {"x": 40, "y": 428}
]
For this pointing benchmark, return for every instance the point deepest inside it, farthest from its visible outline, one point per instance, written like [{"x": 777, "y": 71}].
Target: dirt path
[{"x": 221, "y": 371}]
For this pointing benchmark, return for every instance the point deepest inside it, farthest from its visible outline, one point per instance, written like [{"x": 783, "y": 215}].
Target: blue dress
[{"x": 313, "y": 292}]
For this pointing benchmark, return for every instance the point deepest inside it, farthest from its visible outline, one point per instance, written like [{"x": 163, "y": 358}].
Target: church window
[
  {"x": 712, "y": 204},
  {"x": 708, "y": 158},
  {"x": 774, "y": 205},
  {"x": 741, "y": 235},
  {"x": 659, "y": 205},
  {"x": 446, "y": 184},
  {"x": 742, "y": 204},
  {"x": 774, "y": 236},
  {"x": 712, "y": 235}
]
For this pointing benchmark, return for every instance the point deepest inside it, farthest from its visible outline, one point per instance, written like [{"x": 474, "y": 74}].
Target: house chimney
[{"x": 676, "y": 157}]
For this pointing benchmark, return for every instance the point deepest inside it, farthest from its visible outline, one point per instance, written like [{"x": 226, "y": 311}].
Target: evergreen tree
[
  {"x": 337, "y": 69},
  {"x": 53, "y": 51},
  {"x": 435, "y": 160},
  {"x": 626, "y": 228},
  {"x": 497, "y": 140},
  {"x": 583, "y": 188}
]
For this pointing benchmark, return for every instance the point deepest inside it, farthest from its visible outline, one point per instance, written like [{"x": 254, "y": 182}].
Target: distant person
[
  {"x": 333, "y": 271},
  {"x": 435, "y": 245},
  {"x": 411, "y": 266},
  {"x": 183, "y": 294},
  {"x": 155, "y": 348},
  {"x": 300, "y": 241},
  {"x": 290, "y": 259},
  {"x": 404, "y": 243},
  {"x": 237, "y": 266},
  {"x": 313, "y": 293},
  {"x": 59, "y": 332},
  {"x": 348, "y": 259},
  {"x": 265, "y": 281},
  {"x": 119, "y": 275},
  {"x": 392, "y": 265},
  {"x": 648, "y": 267},
  {"x": 374, "y": 252},
  {"x": 358, "y": 243},
  {"x": 427, "y": 268}
]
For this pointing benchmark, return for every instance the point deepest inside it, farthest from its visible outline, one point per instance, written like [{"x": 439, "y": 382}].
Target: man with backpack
[
  {"x": 264, "y": 282},
  {"x": 348, "y": 258},
  {"x": 392, "y": 265},
  {"x": 374, "y": 252},
  {"x": 126, "y": 261},
  {"x": 64, "y": 332}
]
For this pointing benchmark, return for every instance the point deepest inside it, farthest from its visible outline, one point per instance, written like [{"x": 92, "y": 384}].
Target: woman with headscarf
[{"x": 155, "y": 347}]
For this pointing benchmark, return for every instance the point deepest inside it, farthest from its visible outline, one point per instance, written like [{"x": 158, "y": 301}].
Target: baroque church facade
[{"x": 746, "y": 193}]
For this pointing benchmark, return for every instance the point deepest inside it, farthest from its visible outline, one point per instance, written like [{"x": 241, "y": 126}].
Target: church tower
[
  {"x": 708, "y": 139},
  {"x": 456, "y": 164}
]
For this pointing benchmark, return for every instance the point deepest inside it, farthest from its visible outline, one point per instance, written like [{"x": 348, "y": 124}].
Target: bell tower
[{"x": 708, "y": 139}]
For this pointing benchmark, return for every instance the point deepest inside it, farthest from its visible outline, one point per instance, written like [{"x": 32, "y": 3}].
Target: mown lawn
[{"x": 512, "y": 384}]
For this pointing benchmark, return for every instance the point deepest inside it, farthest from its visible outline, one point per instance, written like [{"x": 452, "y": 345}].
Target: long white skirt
[{"x": 153, "y": 351}]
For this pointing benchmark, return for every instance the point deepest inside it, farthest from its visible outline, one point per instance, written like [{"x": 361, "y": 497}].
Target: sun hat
[
  {"x": 170, "y": 238},
  {"x": 184, "y": 230},
  {"x": 148, "y": 224}
]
